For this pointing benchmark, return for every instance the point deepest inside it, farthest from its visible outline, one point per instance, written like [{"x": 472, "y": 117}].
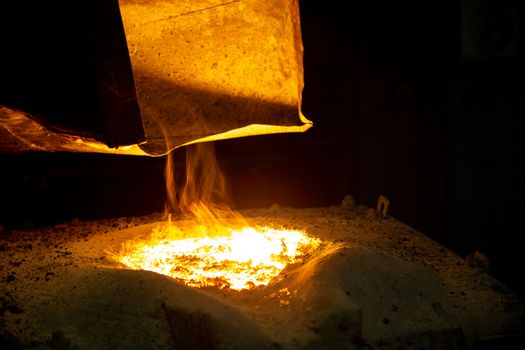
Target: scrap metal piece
[{"x": 382, "y": 206}]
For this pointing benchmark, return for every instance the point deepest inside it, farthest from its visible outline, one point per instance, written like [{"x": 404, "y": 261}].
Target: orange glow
[
  {"x": 213, "y": 70},
  {"x": 215, "y": 246},
  {"x": 219, "y": 257}
]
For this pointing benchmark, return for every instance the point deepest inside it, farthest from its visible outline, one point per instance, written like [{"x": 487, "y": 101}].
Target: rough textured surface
[
  {"x": 203, "y": 70},
  {"x": 375, "y": 283},
  {"x": 206, "y": 67}
]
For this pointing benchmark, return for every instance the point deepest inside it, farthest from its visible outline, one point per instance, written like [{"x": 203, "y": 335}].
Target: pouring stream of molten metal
[{"x": 216, "y": 247}]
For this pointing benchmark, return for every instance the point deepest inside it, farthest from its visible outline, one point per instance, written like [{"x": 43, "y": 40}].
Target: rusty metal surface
[{"x": 204, "y": 68}]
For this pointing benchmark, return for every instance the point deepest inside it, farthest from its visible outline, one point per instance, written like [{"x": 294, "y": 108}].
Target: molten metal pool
[{"x": 226, "y": 258}]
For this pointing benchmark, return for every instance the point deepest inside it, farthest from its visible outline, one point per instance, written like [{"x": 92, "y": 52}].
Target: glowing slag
[{"x": 236, "y": 259}]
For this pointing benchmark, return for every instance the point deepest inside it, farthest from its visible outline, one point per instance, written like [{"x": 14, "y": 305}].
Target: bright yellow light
[{"x": 237, "y": 259}]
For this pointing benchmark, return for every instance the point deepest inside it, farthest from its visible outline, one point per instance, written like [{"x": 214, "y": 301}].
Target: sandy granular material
[{"x": 374, "y": 283}]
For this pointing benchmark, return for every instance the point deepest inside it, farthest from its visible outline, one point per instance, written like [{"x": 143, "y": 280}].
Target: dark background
[{"x": 420, "y": 101}]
